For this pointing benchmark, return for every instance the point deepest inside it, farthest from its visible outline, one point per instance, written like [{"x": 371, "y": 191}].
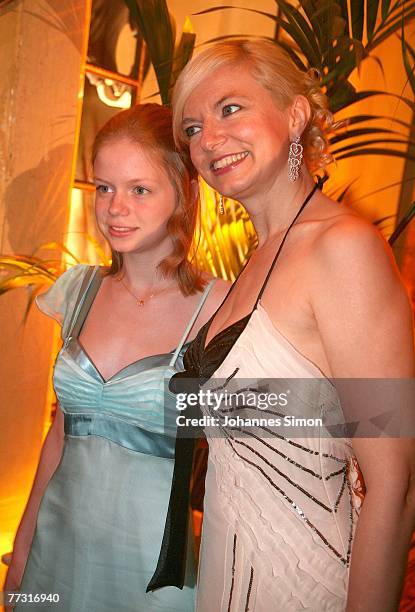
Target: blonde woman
[{"x": 319, "y": 298}]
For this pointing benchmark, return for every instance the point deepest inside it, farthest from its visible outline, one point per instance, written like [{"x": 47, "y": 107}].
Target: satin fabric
[{"x": 102, "y": 517}]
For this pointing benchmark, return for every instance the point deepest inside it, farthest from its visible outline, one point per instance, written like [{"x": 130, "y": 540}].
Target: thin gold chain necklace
[{"x": 141, "y": 301}]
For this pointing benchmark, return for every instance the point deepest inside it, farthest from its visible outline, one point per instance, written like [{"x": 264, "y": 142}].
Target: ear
[
  {"x": 194, "y": 190},
  {"x": 298, "y": 116}
]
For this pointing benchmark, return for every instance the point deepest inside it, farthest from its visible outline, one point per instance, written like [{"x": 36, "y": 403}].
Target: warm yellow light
[
  {"x": 223, "y": 241},
  {"x": 187, "y": 26}
]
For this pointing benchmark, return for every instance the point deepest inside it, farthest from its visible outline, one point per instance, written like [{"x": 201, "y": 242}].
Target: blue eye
[
  {"x": 192, "y": 130},
  {"x": 229, "y": 109},
  {"x": 139, "y": 190}
]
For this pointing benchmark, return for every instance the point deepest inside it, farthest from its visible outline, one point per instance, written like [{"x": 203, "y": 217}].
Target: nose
[
  {"x": 117, "y": 205},
  {"x": 212, "y": 135}
]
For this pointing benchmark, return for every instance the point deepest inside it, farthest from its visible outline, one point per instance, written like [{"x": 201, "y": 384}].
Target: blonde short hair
[{"x": 275, "y": 71}]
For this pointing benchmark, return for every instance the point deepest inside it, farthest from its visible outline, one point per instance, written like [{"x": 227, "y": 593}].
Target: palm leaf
[
  {"x": 391, "y": 22},
  {"x": 183, "y": 51},
  {"x": 357, "y": 11},
  {"x": 301, "y": 32},
  {"x": 372, "y": 11},
  {"x": 153, "y": 20},
  {"x": 385, "y": 8}
]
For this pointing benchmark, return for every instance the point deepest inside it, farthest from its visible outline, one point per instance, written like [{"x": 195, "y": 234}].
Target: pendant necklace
[{"x": 142, "y": 301}]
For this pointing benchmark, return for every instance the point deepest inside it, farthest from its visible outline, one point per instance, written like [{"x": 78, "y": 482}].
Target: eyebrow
[
  {"x": 96, "y": 179},
  {"x": 231, "y": 94}
]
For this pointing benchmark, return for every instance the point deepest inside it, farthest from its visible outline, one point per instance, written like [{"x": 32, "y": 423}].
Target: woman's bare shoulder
[{"x": 342, "y": 235}]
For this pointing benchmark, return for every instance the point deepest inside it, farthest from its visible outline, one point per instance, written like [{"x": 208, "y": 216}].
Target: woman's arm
[
  {"x": 365, "y": 322},
  {"x": 48, "y": 462},
  {"x": 385, "y": 524}
]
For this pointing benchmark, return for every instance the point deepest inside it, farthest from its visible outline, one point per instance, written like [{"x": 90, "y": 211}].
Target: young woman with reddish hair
[{"x": 92, "y": 528}]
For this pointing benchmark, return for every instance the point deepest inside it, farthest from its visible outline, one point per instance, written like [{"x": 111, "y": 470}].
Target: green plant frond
[
  {"x": 289, "y": 26},
  {"x": 357, "y": 13},
  {"x": 226, "y": 7},
  {"x": 301, "y": 32},
  {"x": 314, "y": 15},
  {"x": 341, "y": 95},
  {"x": 329, "y": 24},
  {"x": 371, "y": 16},
  {"x": 182, "y": 54},
  {"x": 153, "y": 19},
  {"x": 392, "y": 23},
  {"x": 399, "y": 9},
  {"x": 385, "y": 8},
  {"x": 350, "y": 54},
  {"x": 293, "y": 54}
]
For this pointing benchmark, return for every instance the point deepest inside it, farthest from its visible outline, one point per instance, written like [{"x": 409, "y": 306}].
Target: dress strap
[
  {"x": 83, "y": 304},
  {"x": 192, "y": 321},
  {"x": 318, "y": 185}
]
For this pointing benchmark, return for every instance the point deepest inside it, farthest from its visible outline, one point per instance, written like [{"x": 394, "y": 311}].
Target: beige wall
[{"x": 41, "y": 46}]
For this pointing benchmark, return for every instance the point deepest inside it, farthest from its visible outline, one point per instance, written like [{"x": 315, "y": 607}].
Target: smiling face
[
  {"x": 134, "y": 199},
  {"x": 237, "y": 136}
]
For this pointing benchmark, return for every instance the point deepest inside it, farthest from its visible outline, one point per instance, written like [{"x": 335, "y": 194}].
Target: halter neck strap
[{"x": 318, "y": 185}]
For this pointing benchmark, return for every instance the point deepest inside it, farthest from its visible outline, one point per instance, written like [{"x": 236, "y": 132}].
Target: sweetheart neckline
[
  {"x": 137, "y": 361},
  {"x": 318, "y": 372}
]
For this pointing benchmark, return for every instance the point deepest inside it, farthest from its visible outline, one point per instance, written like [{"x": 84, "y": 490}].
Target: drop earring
[
  {"x": 221, "y": 205},
  {"x": 295, "y": 157}
]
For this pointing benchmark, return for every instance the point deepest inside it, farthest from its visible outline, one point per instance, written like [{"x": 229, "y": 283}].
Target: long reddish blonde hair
[{"x": 150, "y": 127}]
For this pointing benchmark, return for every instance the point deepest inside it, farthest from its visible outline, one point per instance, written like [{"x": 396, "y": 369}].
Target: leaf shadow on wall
[{"x": 36, "y": 202}]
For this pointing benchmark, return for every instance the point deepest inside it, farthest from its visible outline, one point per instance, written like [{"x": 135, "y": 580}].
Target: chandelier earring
[{"x": 295, "y": 157}]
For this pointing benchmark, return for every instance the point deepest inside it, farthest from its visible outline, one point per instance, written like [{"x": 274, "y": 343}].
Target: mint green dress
[{"x": 102, "y": 517}]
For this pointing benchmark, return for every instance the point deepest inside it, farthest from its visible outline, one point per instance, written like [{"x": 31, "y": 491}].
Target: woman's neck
[
  {"x": 272, "y": 212},
  {"x": 141, "y": 270}
]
